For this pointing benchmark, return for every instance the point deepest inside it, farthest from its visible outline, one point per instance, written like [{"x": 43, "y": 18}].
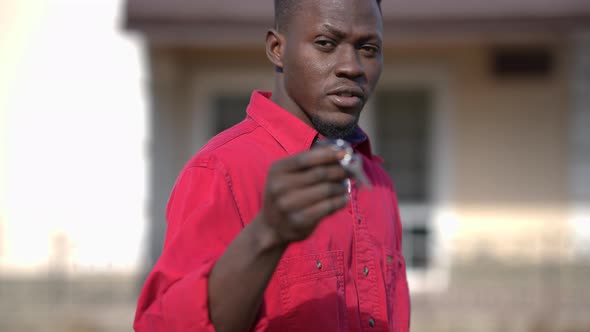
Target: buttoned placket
[{"x": 363, "y": 279}]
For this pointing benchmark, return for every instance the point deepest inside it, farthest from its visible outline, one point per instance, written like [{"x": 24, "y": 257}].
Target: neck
[{"x": 282, "y": 98}]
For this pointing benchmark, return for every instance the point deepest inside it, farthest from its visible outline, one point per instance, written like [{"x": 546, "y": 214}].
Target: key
[{"x": 352, "y": 162}]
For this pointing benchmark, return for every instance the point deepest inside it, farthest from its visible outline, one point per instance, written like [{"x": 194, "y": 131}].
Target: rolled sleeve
[
  {"x": 183, "y": 307},
  {"x": 203, "y": 219}
]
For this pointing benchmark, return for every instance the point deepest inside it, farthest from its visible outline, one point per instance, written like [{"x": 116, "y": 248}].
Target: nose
[{"x": 349, "y": 63}]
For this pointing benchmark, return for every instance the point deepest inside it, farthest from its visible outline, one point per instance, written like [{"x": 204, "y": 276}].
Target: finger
[
  {"x": 315, "y": 175},
  {"x": 308, "y": 159},
  {"x": 310, "y": 216},
  {"x": 308, "y": 196}
]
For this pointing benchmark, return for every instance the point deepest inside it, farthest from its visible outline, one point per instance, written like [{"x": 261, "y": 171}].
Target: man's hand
[{"x": 301, "y": 191}]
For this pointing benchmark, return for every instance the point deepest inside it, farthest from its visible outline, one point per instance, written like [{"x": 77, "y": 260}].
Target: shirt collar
[{"x": 289, "y": 131}]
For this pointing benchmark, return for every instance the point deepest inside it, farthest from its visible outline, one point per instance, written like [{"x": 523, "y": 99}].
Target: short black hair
[{"x": 284, "y": 9}]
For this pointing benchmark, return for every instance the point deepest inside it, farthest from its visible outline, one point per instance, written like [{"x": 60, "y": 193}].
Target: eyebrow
[
  {"x": 340, "y": 34},
  {"x": 333, "y": 30}
]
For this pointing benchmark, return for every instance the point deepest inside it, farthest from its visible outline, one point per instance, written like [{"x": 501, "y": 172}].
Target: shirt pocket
[
  {"x": 312, "y": 292},
  {"x": 396, "y": 286}
]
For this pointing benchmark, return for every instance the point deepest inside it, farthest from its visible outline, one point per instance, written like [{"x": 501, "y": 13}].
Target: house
[{"x": 482, "y": 115}]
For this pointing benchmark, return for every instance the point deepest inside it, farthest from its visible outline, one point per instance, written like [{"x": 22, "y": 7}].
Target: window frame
[
  {"x": 439, "y": 214},
  {"x": 209, "y": 83}
]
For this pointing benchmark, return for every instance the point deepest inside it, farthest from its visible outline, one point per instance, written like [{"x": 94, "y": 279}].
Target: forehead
[{"x": 345, "y": 15}]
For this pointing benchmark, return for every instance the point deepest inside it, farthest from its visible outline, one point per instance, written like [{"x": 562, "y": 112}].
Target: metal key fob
[{"x": 352, "y": 162}]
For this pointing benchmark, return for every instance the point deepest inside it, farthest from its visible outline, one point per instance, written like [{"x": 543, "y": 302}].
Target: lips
[{"x": 347, "y": 97}]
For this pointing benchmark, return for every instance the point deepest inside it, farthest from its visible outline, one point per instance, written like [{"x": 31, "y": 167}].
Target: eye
[
  {"x": 370, "y": 50},
  {"x": 325, "y": 43}
]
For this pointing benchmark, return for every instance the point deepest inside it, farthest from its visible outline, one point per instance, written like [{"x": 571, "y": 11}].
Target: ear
[{"x": 275, "y": 46}]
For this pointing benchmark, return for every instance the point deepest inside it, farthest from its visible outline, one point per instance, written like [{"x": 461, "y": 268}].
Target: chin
[{"x": 338, "y": 126}]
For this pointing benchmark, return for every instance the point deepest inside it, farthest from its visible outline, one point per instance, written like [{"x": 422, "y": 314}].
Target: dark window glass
[
  {"x": 229, "y": 110},
  {"x": 403, "y": 121},
  {"x": 415, "y": 245},
  {"x": 522, "y": 62}
]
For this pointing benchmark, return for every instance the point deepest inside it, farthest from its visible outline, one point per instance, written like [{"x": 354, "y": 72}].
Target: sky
[{"x": 73, "y": 125}]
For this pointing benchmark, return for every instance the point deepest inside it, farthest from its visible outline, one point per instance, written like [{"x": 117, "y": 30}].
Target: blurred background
[{"x": 482, "y": 115}]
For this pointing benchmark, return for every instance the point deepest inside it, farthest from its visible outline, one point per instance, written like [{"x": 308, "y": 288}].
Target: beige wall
[
  {"x": 512, "y": 158},
  {"x": 510, "y": 141}
]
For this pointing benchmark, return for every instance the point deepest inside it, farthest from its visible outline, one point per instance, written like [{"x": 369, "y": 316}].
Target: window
[
  {"x": 522, "y": 62},
  {"x": 229, "y": 110},
  {"x": 403, "y": 134},
  {"x": 415, "y": 245}
]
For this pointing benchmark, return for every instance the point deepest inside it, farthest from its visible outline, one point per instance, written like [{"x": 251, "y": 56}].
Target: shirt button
[
  {"x": 372, "y": 322},
  {"x": 389, "y": 259},
  {"x": 366, "y": 271},
  {"x": 319, "y": 265}
]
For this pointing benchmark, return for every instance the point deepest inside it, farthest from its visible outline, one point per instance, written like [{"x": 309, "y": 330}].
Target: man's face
[{"x": 332, "y": 61}]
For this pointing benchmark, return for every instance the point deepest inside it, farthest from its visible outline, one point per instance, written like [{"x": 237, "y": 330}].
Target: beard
[{"x": 331, "y": 130}]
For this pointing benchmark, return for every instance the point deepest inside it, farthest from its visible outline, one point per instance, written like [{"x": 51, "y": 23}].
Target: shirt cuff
[{"x": 184, "y": 306}]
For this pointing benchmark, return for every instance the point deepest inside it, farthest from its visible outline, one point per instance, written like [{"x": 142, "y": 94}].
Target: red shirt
[{"x": 349, "y": 275}]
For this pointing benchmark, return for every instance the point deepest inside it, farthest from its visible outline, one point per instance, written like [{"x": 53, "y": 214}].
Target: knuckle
[
  {"x": 300, "y": 161},
  {"x": 282, "y": 204},
  {"x": 329, "y": 189},
  {"x": 334, "y": 205},
  {"x": 274, "y": 168},
  {"x": 319, "y": 173},
  {"x": 280, "y": 166},
  {"x": 341, "y": 171},
  {"x": 337, "y": 188},
  {"x": 275, "y": 187},
  {"x": 334, "y": 172},
  {"x": 299, "y": 218}
]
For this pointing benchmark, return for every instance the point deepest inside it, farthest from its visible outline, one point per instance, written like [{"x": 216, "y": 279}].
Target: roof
[
  {"x": 484, "y": 9},
  {"x": 223, "y": 21}
]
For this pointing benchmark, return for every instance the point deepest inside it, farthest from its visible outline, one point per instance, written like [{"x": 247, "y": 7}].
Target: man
[{"x": 263, "y": 232}]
